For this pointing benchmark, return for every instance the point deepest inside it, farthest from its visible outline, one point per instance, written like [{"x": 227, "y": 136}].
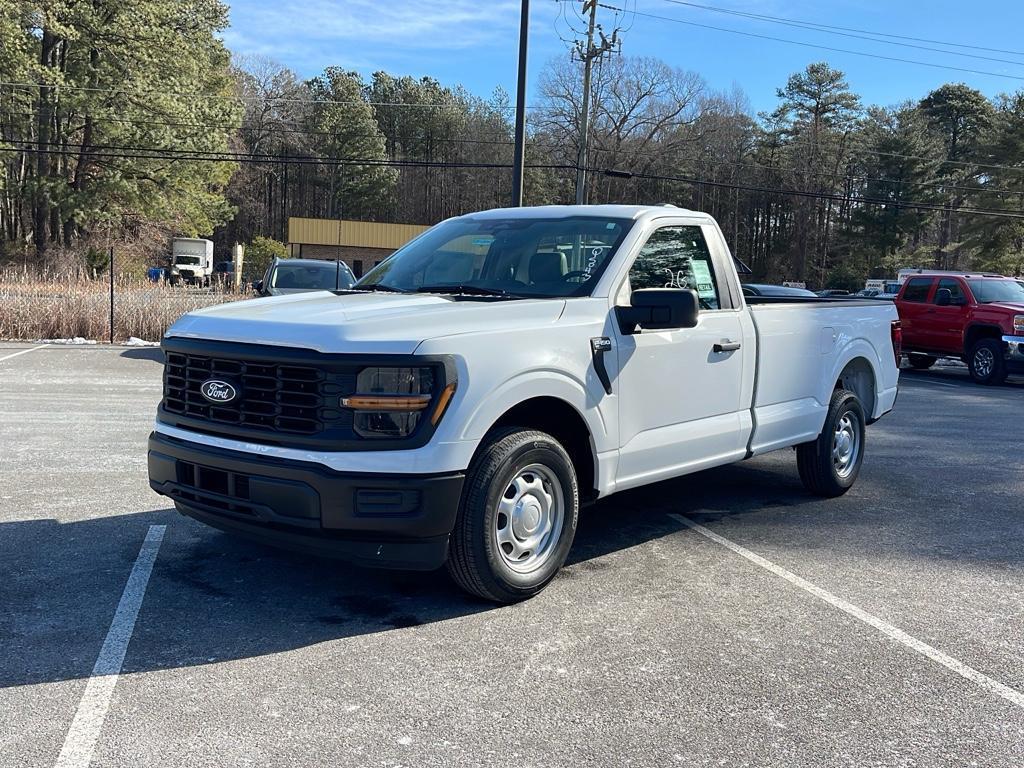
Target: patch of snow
[
  {"x": 77, "y": 340},
  {"x": 135, "y": 341}
]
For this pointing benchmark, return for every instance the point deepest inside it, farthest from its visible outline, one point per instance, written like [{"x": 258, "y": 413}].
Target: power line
[
  {"x": 271, "y": 99},
  {"x": 224, "y": 157},
  {"x": 834, "y": 176},
  {"x": 218, "y": 156},
  {"x": 495, "y": 142},
  {"x": 838, "y": 175},
  {"x": 818, "y": 46},
  {"x": 997, "y": 213},
  {"x": 825, "y": 27},
  {"x": 248, "y": 127}
]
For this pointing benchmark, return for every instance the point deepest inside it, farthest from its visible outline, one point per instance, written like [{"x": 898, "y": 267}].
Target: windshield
[
  {"x": 517, "y": 257},
  {"x": 186, "y": 259},
  {"x": 312, "y": 277},
  {"x": 987, "y": 291}
]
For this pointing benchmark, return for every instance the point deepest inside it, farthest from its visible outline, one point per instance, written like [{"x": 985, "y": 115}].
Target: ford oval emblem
[{"x": 217, "y": 391}]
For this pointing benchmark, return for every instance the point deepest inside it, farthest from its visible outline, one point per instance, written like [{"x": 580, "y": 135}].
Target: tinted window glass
[
  {"x": 312, "y": 276},
  {"x": 677, "y": 257},
  {"x": 917, "y": 289},
  {"x": 987, "y": 291},
  {"x": 519, "y": 256},
  {"x": 953, "y": 286}
]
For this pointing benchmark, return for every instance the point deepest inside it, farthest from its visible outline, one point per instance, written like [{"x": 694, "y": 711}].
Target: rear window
[{"x": 917, "y": 289}]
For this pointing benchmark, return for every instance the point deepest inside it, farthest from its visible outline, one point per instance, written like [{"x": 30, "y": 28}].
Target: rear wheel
[
  {"x": 830, "y": 464},
  {"x": 921, "y": 362},
  {"x": 517, "y": 517},
  {"x": 986, "y": 363}
]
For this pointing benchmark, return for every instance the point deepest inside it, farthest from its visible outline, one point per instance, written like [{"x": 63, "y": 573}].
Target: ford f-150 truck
[
  {"x": 470, "y": 392},
  {"x": 977, "y": 318}
]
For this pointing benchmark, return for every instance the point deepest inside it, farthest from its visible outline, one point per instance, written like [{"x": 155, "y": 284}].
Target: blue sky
[{"x": 474, "y": 42}]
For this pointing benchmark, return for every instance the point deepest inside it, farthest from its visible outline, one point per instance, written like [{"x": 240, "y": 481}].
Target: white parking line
[
  {"x": 931, "y": 382},
  {"x": 23, "y": 352},
  {"x": 986, "y": 682},
  {"x": 92, "y": 709}
]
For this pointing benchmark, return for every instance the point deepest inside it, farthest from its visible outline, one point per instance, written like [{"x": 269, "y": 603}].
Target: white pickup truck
[{"x": 469, "y": 393}]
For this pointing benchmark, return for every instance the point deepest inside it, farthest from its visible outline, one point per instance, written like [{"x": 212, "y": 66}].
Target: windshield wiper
[
  {"x": 469, "y": 290},
  {"x": 378, "y": 287}
]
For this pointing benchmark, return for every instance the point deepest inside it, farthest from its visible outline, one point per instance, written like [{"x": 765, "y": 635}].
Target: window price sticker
[{"x": 702, "y": 279}]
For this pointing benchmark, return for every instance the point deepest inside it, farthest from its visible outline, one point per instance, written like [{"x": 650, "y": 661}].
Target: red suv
[{"x": 976, "y": 318}]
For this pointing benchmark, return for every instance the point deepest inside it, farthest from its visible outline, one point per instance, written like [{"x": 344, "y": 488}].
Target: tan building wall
[{"x": 361, "y": 244}]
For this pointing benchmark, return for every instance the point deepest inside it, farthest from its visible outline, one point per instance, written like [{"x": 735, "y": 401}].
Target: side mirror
[
  {"x": 943, "y": 297},
  {"x": 258, "y": 287},
  {"x": 659, "y": 309}
]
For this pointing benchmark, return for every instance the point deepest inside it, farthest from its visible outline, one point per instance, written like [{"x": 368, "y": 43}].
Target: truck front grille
[
  {"x": 286, "y": 397},
  {"x": 270, "y": 397}
]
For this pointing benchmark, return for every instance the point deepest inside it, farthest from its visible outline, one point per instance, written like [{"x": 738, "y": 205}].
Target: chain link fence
[{"x": 43, "y": 305}]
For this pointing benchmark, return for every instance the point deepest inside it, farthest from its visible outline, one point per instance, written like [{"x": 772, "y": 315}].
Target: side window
[
  {"x": 677, "y": 257},
  {"x": 953, "y": 286},
  {"x": 917, "y": 289}
]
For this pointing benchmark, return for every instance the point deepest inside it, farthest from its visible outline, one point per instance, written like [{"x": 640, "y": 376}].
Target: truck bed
[{"x": 800, "y": 356}]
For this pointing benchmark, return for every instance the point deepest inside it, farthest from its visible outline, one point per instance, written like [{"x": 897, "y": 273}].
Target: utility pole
[
  {"x": 519, "y": 159},
  {"x": 588, "y": 53}
]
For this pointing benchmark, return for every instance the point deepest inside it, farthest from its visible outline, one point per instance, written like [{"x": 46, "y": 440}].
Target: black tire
[
  {"x": 920, "y": 362},
  {"x": 475, "y": 561},
  {"x": 986, "y": 362},
  {"x": 818, "y": 467}
]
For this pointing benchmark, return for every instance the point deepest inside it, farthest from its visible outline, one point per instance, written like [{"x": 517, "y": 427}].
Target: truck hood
[
  {"x": 385, "y": 323},
  {"x": 1006, "y": 306}
]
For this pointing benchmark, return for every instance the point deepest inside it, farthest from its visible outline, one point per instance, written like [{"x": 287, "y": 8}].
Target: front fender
[{"x": 491, "y": 405}]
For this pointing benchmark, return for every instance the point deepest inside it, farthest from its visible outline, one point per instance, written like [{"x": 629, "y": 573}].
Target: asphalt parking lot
[{"x": 658, "y": 645}]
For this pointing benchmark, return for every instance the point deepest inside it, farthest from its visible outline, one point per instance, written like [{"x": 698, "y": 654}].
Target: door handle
[{"x": 725, "y": 346}]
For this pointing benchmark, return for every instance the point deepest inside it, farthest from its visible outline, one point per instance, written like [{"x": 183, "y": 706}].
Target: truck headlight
[
  {"x": 1018, "y": 323},
  {"x": 391, "y": 402}
]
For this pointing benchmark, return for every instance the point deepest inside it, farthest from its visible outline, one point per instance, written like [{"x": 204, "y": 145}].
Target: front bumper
[
  {"x": 1014, "y": 353},
  {"x": 384, "y": 520}
]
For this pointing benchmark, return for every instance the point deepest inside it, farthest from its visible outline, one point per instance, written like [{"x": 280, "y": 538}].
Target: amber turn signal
[
  {"x": 386, "y": 402},
  {"x": 442, "y": 403}
]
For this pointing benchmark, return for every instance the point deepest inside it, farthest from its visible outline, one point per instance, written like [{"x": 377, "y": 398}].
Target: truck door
[
  {"x": 679, "y": 394},
  {"x": 913, "y": 307},
  {"x": 944, "y": 325}
]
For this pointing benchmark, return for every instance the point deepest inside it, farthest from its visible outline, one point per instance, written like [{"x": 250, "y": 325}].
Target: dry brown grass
[{"x": 51, "y": 306}]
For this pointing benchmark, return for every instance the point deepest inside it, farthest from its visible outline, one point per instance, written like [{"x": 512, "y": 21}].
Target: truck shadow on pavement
[
  {"x": 215, "y": 598},
  {"x": 153, "y": 354},
  {"x": 958, "y": 376}
]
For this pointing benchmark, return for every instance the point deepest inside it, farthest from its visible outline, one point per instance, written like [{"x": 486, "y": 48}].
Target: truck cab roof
[{"x": 635, "y": 212}]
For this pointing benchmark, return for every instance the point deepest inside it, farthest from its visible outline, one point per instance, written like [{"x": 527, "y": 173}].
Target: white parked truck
[
  {"x": 191, "y": 260},
  {"x": 469, "y": 393}
]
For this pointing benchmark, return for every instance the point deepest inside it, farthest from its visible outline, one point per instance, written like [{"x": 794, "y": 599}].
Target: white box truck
[{"x": 191, "y": 261}]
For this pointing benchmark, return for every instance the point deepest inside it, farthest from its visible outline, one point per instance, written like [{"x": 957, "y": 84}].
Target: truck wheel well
[
  {"x": 859, "y": 377},
  {"x": 564, "y": 423},
  {"x": 976, "y": 332}
]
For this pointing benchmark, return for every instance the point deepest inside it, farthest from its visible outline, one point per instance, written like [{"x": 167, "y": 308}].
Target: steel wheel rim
[
  {"x": 984, "y": 362},
  {"x": 529, "y": 518},
  {"x": 846, "y": 445}
]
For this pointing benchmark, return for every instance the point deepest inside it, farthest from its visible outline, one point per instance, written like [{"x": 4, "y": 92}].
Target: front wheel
[
  {"x": 986, "y": 363},
  {"x": 830, "y": 464},
  {"x": 517, "y": 517}
]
